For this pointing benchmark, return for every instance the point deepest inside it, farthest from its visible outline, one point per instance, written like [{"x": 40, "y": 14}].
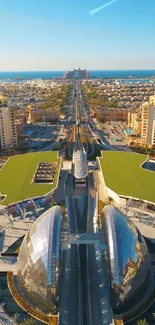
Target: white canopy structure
[{"x": 80, "y": 168}]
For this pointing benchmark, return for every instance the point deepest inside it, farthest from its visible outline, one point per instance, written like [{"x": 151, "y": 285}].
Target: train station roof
[{"x": 80, "y": 168}]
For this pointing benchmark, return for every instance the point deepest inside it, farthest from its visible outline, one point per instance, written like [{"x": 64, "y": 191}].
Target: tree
[
  {"x": 110, "y": 200},
  {"x": 28, "y": 321},
  {"x": 142, "y": 322},
  {"x": 63, "y": 205},
  {"x": 52, "y": 202},
  {"x": 104, "y": 204}
]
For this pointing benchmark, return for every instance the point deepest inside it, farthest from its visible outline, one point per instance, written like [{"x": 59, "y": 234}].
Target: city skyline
[{"x": 45, "y": 36}]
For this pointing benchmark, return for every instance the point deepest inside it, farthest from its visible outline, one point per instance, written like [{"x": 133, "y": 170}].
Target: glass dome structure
[
  {"x": 38, "y": 261},
  {"x": 119, "y": 266},
  {"x": 129, "y": 260}
]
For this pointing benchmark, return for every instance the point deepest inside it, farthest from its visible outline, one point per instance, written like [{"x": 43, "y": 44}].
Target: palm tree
[
  {"x": 142, "y": 322},
  {"x": 28, "y": 321},
  {"x": 153, "y": 315},
  {"x": 110, "y": 200}
]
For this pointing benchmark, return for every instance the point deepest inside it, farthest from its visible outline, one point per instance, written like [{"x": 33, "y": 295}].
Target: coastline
[{"x": 128, "y": 75}]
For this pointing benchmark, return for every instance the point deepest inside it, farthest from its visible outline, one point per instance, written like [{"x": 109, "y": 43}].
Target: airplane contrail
[{"x": 94, "y": 11}]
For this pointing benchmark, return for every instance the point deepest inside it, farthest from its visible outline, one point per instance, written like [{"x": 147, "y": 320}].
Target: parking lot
[
  {"x": 40, "y": 137},
  {"x": 114, "y": 133}
]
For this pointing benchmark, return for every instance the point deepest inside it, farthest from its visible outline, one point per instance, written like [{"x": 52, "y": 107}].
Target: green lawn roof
[
  {"x": 123, "y": 174},
  {"x": 17, "y": 174}
]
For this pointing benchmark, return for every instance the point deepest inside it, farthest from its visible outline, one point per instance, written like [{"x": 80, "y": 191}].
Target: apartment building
[
  {"x": 38, "y": 115},
  {"x": 8, "y": 132},
  {"x": 148, "y": 124},
  {"x": 111, "y": 114},
  {"x": 152, "y": 100},
  {"x": 135, "y": 122}
]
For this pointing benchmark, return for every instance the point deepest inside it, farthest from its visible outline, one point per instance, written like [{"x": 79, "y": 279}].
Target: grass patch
[
  {"x": 16, "y": 176},
  {"x": 123, "y": 174}
]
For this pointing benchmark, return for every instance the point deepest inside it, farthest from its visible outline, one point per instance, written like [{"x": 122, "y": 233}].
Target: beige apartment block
[
  {"x": 37, "y": 115},
  {"x": 135, "y": 122},
  {"x": 148, "y": 125},
  {"x": 8, "y": 132},
  {"x": 130, "y": 119},
  {"x": 137, "y": 126},
  {"x": 111, "y": 114},
  {"x": 152, "y": 100}
]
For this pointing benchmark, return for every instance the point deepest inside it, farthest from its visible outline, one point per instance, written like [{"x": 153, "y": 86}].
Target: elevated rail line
[{"x": 75, "y": 287}]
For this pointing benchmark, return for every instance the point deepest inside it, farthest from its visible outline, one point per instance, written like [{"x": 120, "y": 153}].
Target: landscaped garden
[
  {"x": 16, "y": 176},
  {"x": 123, "y": 174}
]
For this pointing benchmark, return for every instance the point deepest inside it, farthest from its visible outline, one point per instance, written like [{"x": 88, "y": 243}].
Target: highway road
[
  {"x": 81, "y": 117},
  {"x": 90, "y": 125}
]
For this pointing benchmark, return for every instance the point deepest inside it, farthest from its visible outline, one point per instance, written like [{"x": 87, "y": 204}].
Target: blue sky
[{"x": 61, "y": 34}]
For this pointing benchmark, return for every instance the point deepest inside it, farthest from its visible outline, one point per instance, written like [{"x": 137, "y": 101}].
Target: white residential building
[{"x": 8, "y": 133}]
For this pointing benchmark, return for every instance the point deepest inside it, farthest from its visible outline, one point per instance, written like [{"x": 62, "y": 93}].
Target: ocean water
[
  {"x": 123, "y": 74},
  {"x": 27, "y": 75},
  {"x": 120, "y": 74}
]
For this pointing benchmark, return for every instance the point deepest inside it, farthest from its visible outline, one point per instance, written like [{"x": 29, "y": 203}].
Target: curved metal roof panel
[{"x": 80, "y": 168}]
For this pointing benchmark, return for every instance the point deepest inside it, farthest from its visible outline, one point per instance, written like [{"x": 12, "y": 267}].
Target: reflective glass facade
[
  {"x": 129, "y": 260},
  {"x": 38, "y": 261},
  {"x": 117, "y": 265}
]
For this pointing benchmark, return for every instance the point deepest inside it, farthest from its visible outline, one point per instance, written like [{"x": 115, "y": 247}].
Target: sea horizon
[
  {"x": 47, "y": 74},
  {"x": 13, "y": 71}
]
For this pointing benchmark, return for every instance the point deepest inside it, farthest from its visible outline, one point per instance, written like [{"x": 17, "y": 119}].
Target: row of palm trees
[
  {"x": 95, "y": 99},
  {"x": 144, "y": 322},
  {"x": 58, "y": 99}
]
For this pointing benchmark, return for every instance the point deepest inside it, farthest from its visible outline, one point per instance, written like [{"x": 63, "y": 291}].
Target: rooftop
[
  {"x": 16, "y": 176},
  {"x": 80, "y": 169},
  {"x": 123, "y": 174}
]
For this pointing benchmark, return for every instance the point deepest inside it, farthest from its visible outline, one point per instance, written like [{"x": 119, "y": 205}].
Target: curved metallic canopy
[{"x": 80, "y": 168}]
